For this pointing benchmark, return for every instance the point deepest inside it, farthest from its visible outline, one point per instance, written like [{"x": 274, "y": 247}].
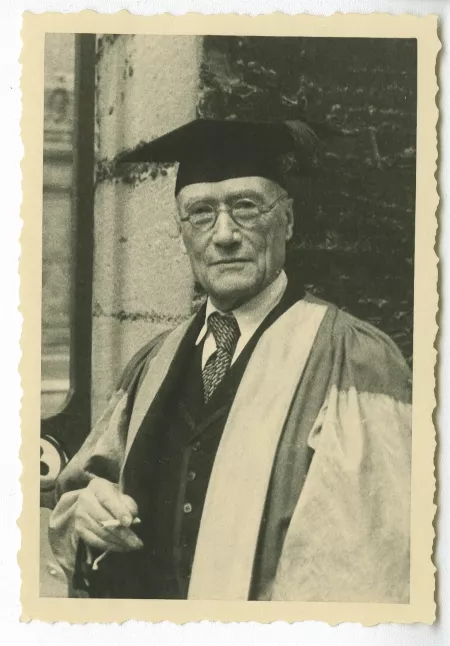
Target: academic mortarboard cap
[{"x": 211, "y": 150}]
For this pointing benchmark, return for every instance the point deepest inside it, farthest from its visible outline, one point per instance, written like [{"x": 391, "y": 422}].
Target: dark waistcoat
[{"x": 167, "y": 473}]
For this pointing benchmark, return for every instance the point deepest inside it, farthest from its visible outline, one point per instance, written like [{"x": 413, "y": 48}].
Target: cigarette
[{"x": 114, "y": 522}]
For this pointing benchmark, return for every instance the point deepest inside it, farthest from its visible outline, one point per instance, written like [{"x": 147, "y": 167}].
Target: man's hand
[{"x": 102, "y": 501}]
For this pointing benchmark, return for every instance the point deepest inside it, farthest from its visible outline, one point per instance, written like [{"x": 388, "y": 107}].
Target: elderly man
[{"x": 261, "y": 449}]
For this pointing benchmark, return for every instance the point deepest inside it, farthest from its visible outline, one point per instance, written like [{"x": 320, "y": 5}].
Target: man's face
[{"x": 231, "y": 262}]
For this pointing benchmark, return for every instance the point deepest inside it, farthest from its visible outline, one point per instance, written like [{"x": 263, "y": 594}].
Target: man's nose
[{"x": 226, "y": 231}]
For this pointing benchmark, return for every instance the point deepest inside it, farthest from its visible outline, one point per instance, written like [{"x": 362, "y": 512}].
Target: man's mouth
[{"x": 230, "y": 261}]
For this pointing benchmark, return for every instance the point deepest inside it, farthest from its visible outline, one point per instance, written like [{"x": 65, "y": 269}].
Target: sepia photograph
[{"x": 228, "y": 318}]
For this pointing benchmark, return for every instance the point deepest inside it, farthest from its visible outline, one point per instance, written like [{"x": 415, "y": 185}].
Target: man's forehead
[{"x": 234, "y": 185}]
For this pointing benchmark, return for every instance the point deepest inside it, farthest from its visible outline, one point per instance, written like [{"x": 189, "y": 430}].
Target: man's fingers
[
  {"x": 92, "y": 508},
  {"x": 112, "y": 500},
  {"x": 85, "y": 523},
  {"x": 130, "y": 504},
  {"x": 102, "y": 502},
  {"x": 98, "y": 543},
  {"x": 118, "y": 538},
  {"x": 121, "y": 535}
]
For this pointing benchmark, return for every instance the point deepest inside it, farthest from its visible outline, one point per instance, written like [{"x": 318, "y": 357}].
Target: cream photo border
[{"x": 422, "y": 604}]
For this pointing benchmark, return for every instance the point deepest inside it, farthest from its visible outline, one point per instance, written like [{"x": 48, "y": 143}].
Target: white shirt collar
[{"x": 249, "y": 316}]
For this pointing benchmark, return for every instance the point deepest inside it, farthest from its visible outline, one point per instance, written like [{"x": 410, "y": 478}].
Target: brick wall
[{"x": 354, "y": 238}]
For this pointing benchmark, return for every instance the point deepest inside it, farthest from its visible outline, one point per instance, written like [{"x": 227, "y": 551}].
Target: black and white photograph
[{"x": 229, "y": 283}]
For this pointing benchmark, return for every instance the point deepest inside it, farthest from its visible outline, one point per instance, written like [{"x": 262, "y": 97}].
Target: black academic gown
[{"x": 168, "y": 470}]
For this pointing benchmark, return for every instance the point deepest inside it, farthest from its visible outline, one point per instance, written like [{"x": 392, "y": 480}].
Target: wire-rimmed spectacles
[{"x": 243, "y": 211}]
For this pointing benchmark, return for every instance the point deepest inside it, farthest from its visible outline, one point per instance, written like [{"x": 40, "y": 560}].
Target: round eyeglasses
[{"x": 244, "y": 212}]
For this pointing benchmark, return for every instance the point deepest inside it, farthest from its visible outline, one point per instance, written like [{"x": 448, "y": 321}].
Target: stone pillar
[{"x": 146, "y": 85}]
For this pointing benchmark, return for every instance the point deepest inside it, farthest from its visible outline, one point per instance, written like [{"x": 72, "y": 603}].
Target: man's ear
[
  {"x": 176, "y": 218},
  {"x": 290, "y": 218},
  {"x": 182, "y": 245}
]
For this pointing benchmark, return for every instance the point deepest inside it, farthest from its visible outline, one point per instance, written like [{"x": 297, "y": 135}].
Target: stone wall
[{"x": 146, "y": 85}]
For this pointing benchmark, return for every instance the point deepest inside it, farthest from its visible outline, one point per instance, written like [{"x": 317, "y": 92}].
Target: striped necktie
[{"x": 225, "y": 330}]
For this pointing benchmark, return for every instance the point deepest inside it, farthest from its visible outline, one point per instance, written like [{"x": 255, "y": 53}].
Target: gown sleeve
[
  {"x": 349, "y": 536},
  {"x": 101, "y": 455}
]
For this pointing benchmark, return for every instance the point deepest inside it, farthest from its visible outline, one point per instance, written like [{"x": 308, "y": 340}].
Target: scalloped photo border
[{"x": 422, "y": 606}]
